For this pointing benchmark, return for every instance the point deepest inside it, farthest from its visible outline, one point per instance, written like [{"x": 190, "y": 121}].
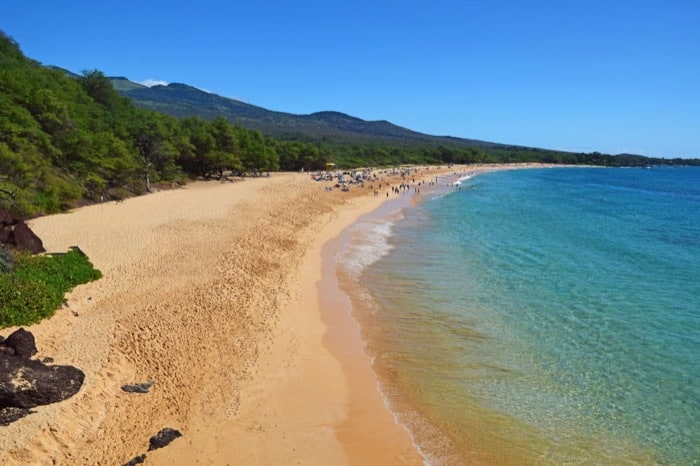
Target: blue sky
[{"x": 609, "y": 76}]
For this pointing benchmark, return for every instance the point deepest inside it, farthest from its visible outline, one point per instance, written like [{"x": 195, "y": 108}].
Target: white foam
[
  {"x": 367, "y": 243},
  {"x": 397, "y": 420},
  {"x": 464, "y": 178}
]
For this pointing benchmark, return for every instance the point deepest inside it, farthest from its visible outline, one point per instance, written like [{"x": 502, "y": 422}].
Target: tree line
[{"x": 66, "y": 141}]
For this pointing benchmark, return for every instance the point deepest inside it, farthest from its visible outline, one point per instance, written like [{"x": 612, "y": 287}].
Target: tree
[
  {"x": 227, "y": 151},
  {"x": 99, "y": 88},
  {"x": 153, "y": 136},
  {"x": 197, "y": 147}
]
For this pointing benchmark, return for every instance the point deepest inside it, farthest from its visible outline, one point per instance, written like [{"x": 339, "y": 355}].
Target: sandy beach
[{"x": 223, "y": 295}]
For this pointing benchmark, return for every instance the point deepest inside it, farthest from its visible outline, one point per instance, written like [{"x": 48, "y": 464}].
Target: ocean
[{"x": 537, "y": 316}]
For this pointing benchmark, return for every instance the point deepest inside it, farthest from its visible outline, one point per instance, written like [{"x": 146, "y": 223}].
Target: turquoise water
[{"x": 539, "y": 316}]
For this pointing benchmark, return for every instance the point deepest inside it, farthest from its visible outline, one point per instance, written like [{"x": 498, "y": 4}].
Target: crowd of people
[{"x": 387, "y": 181}]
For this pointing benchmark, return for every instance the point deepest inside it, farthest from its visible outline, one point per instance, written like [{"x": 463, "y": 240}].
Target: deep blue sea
[{"x": 538, "y": 316}]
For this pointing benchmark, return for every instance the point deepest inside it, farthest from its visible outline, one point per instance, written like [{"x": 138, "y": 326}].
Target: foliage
[
  {"x": 309, "y": 141},
  {"x": 36, "y": 287},
  {"x": 68, "y": 139},
  {"x": 65, "y": 140},
  {"x": 6, "y": 261}
]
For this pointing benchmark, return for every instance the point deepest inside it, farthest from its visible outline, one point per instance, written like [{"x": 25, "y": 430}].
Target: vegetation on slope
[
  {"x": 355, "y": 142},
  {"x": 68, "y": 139},
  {"x": 65, "y": 141}
]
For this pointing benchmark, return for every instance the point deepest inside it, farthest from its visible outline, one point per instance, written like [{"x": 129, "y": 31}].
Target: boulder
[
  {"x": 163, "y": 438},
  {"x": 14, "y": 232},
  {"x": 22, "y": 342},
  {"x": 24, "y": 238},
  {"x": 26, "y": 383}
]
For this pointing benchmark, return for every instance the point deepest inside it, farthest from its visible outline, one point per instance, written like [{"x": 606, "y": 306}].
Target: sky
[{"x": 614, "y": 76}]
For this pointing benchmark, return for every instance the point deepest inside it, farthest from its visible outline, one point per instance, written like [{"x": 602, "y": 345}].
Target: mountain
[
  {"x": 122, "y": 84},
  {"x": 181, "y": 100}
]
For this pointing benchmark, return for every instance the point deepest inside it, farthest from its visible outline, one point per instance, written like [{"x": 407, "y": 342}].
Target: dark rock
[
  {"x": 24, "y": 238},
  {"x": 7, "y": 218},
  {"x": 163, "y": 438},
  {"x": 136, "y": 460},
  {"x": 11, "y": 414},
  {"x": 22, "y": 342},
  {"x": 47, "y": 360},
  {"x": 138, "y": 387},
  {"x": 26, "y": 383},
  {"x": 14, "y": 232}
]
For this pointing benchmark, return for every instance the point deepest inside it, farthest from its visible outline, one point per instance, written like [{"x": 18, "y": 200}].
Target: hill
[
  {"x": 68, "y": 139},
  {"x": 331, "y": 127}
]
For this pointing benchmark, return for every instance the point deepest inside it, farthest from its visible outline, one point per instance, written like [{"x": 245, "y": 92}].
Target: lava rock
[
  {"x": 11, "y": 414},
  {"x": 24, "y": 238},
  {"x": 26, "y": 383},
  {"x": 22, "y": 342},
  {"x": 136, "y": 460},
  {"x": 14, "y": 232},
  {"x": 142, "y": 387},
  {"x": 163, "y": 438}
]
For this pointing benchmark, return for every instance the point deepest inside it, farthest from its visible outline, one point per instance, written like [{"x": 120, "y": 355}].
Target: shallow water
[{"x": 540, "y": 316}]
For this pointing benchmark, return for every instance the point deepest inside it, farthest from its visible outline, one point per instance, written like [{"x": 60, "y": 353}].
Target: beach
[
  {"x": 240, "y": 302},
  {"x": 212, "y": 293}
]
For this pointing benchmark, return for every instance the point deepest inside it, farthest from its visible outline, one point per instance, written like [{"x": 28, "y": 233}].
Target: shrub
[
  {"x": 37, "y": 286},
  {"x": 24, "y": 302}
]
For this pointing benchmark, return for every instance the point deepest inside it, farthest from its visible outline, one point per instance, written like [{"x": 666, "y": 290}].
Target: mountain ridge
[{"x": 182, "y": 100}]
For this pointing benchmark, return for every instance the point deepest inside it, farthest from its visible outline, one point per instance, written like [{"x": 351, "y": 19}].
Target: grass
[{"x": 36, "y": 286}]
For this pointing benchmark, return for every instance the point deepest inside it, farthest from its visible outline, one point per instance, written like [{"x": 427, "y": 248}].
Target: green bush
[
  {"x": 37, "y": 286},
  {"x": 23, "y": 302}
]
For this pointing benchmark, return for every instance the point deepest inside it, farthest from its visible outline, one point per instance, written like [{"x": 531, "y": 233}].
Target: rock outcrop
[
  {"x": 21, "y": 342},
  {"x": 27, "y": 383},
  {"x": 15, "y": 233}
]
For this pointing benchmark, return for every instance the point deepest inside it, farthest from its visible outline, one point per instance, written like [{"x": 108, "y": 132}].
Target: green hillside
[
  {"x": 124, "y": 85},
  {"x": 68, "y": 139},
  {"x": 352, "y": 141},
  {"x": 335, "y": 128}
]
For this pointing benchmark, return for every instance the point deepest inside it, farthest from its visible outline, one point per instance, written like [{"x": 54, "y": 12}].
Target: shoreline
[
  {"x": 370, "y": 433},
  {"x": 345, "y": 333},
  {"x": 212, "y": 292}
]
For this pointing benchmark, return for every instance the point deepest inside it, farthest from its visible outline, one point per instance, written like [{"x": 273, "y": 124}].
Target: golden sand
[{"x": 211, "y": 292}]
